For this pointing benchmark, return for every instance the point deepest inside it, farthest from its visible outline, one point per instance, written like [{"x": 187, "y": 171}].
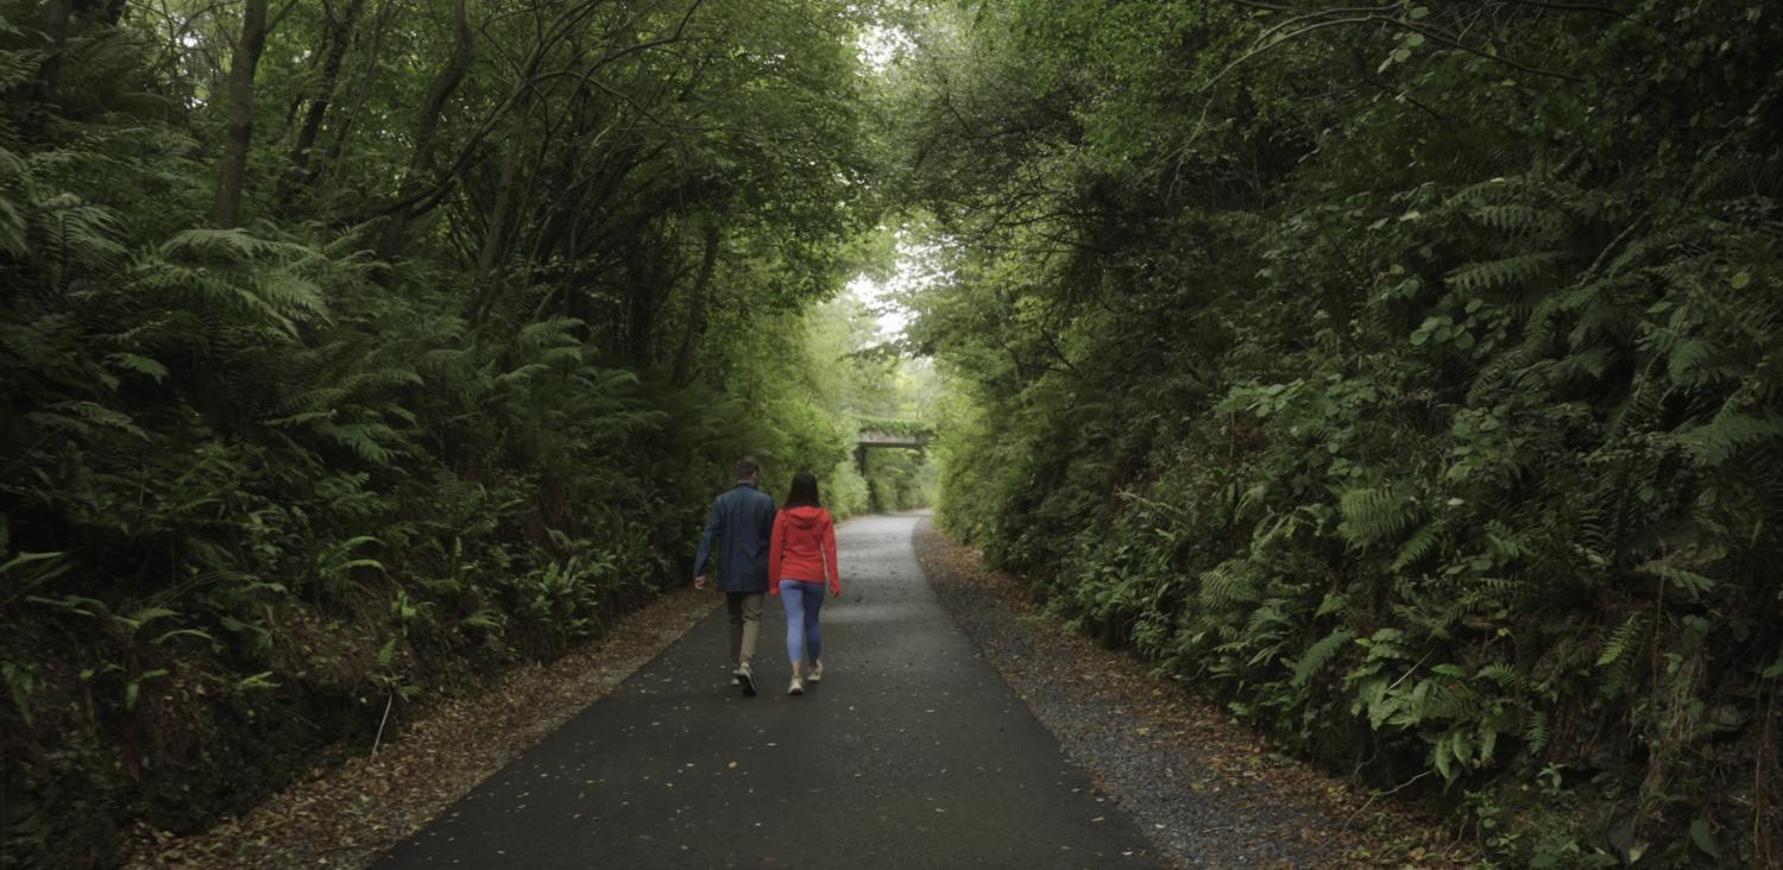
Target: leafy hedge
[
  {"x": 260, "y": 485},
  {"x": 1407, "y": 378}
]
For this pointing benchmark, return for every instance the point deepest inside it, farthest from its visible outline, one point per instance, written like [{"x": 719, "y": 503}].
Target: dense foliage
[
  {"x": 354, "y": 348},
  {"x": 1406, "y": 375}
]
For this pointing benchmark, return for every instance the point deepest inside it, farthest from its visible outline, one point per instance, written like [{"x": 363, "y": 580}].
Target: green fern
[
  {"x": 1688, "y": 582},
  {"x": 1320, "y": 654},
  {"x": 1375, "y": 515},
  {"x": 1505, "y": 676},
  {"x": 1521, "y": 270},
  {"x": 72, "y": 236},
  {"x": 1423, "y": 543},
  {"x": 1535, "y": 732},
  {"x": 1229, "y": 584},
  {"x": 1729, "y": 434},
  {"x": 1522, "y": 220},
  {"x": 1616, "y": 659}
]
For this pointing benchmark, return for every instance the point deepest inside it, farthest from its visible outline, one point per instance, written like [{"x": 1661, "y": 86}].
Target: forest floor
[
  {"x": 1207, "y": 790},
  {"x": 346, "y": 815}
]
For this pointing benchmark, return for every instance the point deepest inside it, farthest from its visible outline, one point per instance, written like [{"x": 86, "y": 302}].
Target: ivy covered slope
[
  {"x": 1406, "y": 376},
  {"x": 352, "y": 349}
]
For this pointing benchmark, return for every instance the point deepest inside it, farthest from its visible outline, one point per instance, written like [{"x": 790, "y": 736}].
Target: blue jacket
[{"x": 742, "y": 523}]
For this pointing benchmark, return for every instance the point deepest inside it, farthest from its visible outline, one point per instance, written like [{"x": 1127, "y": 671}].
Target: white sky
[
  {"x": 916, "y": 267},
  {"x": 879, "y": 46}
]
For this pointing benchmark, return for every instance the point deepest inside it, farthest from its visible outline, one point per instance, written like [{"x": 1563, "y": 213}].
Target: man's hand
[{"x": 699, "y": 582}]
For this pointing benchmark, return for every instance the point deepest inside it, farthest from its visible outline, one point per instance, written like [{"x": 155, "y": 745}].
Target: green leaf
[
  {"x": 147, "y": 615},
  {"x": 259, "y": 682},
  {"x": 183, "y": 632},
  {"x": 1704, "y": 838},
  {"x": 133, "y": 689},
  {"x": 142, "y": 365}
]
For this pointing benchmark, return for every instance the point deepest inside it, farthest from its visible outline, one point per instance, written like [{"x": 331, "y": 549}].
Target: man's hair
[{"x": 747, "y": 467}]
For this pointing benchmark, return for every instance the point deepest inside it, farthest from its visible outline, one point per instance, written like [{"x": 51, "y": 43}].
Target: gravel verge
[
  {"x": 1207, "y": 790},
  {"x": 346, "y": 815}
]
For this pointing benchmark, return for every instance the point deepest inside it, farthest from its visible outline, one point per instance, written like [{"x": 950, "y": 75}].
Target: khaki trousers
[{"x": 745, "y": 608}]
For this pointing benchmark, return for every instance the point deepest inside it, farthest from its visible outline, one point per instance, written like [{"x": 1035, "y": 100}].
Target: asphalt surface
[{"x": 912, "y": 752}]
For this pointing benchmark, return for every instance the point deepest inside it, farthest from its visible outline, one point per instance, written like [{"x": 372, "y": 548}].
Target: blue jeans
[{"x": 803, "y": 600}]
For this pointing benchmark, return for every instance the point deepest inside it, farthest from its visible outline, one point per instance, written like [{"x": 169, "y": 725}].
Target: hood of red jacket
[{"x": 805, "y": 516}]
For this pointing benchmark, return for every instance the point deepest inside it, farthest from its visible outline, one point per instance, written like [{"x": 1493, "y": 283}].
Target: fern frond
[
  {"x": 1226, "y": 585},
  {"x": 1320, "y": 654},
  {"x": 366, "y": 439},
  {"x": 139, "y": 364},
  {"x": 1688, "y": 582},
  {"x": 1535, "y": 733},
  {"x": 1375, "y": 515},
  {"x": 1521, "y": 220},
  {"x": 71, "y": 233},
  {"x": 18, "y": 67},
  {"x": 1521, "y": 270},
  {"x": 1729, "y": 434},
  {"x": 1421, "y": 545},
  {"x": 1624, "y": 640},
  {"x": 234, "y": 245},
  {"x": 81, "y": 417},
  {"x": 289, "y": 293},
  {"x": 1504, "y": 675}
]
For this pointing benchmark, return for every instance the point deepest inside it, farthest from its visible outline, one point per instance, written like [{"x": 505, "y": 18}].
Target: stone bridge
[{"x": 906, "y": 434}]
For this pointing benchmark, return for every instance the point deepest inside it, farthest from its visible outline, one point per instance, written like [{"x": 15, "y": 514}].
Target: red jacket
[{"x": 803, "y": 548}]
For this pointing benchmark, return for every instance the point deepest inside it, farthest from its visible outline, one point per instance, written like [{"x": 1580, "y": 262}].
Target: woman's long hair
[{"x": 804, "y": 491}]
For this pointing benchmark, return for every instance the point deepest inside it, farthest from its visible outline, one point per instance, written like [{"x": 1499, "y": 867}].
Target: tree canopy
[
  {"x": 357, "y": 347},
  {"x": 1405, "y": 376}
]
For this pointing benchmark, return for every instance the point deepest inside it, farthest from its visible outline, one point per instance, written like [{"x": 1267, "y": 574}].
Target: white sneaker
[
  {"x": 816, "y": 675},
  {"x": 797, "y": 687},
  {"x": 745, "y": 679}
]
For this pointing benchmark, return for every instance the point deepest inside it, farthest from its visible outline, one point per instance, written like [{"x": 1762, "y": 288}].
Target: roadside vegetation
[
  {"x": 1403, "y": 377},
  {"x": 355, "y": 350},
  {"x": 1406, "y": 376}
]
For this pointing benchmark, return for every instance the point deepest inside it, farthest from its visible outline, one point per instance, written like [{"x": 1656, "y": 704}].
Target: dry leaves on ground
[
  {"x": 345, "y": 816},
  {"x": 1218, "y": 754}
]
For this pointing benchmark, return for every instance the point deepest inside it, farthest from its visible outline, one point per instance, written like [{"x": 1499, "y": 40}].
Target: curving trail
[{"x": 913, "y": 752}]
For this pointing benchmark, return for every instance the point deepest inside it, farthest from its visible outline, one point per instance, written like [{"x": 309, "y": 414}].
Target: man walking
[{"x": 742, "y": 524}]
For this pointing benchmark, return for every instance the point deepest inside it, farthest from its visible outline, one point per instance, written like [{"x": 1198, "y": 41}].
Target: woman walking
[{"x": 801, "y": 559}]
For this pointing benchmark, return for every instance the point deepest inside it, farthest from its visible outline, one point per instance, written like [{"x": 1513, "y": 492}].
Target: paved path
[{"x": 911, "y": 753}]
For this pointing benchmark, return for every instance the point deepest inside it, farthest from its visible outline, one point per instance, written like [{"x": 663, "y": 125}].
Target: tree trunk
[
  {"x": 644, "y": 279},
  {"x": 341, "y": 129},
  {"x": 55, "y": 29},
  {"x": 696, "y": 314},
  {"x": 494, "y": 248},
  {"x": 444, "y": 84},
  {"x": 337, "y": 36},
  {"x": 241, "y": 114}
]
